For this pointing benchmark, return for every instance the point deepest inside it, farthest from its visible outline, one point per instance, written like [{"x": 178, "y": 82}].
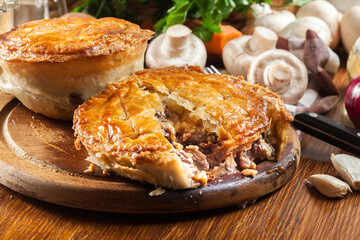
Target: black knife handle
[{"x": 329, "y": 131}]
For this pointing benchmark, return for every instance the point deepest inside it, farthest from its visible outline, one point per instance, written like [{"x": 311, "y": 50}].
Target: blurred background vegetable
[
  {"x": 352, "y": 101},
  {"x": 205, "y": 16}
]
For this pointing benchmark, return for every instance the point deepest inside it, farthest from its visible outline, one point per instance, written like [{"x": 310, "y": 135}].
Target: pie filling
[{"x": 197, "y": 143}]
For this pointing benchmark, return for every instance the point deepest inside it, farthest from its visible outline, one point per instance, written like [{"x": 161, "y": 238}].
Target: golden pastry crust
[
  {"x": 65, "y": 39},
  {"x": 175, "y": 127},
  {"x": 54, "y": 65}
]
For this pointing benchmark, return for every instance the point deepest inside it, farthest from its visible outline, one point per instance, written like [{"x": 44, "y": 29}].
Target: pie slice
[{"x": 177, "y": 127}]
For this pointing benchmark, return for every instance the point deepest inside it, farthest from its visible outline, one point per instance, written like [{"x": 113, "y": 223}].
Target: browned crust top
[
  {"x": 64, "y": 39},
  {"x": 122, "y": 117}
]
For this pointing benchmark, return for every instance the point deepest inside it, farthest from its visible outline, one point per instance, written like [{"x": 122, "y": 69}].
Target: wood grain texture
[
  {"x": 39, "y": 159},
  {"x": 295, "y": 211}
]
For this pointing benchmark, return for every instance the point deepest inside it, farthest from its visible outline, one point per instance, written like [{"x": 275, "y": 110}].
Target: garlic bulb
[
  {"x": 282, "y": 72},
  {"x": 329, "y": 186},
  {"x": 348, "y": 167},
  {"x": 177, "y": 47}
]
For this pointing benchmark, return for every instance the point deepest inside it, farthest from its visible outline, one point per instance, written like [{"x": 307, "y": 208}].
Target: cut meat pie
[{"x": 178, "y": 127}]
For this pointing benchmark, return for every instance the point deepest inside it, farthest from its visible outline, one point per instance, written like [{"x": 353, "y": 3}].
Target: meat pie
[
  {"x": 177, "y": 127},
  {"x": 53, "y": 65}
]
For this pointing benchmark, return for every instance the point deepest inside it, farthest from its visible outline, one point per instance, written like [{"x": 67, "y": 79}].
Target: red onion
[{"x": 352, "y": 101}]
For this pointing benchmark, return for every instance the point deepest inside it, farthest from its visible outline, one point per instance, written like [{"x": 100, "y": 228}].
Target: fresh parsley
[{"x": 208, "y": 13}]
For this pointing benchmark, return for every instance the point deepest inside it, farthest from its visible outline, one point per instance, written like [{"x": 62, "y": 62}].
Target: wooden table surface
[{"x": 296, "y": 211}]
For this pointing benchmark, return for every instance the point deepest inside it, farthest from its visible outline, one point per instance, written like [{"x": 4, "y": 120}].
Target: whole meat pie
[
  {"x": 53, "y": 65},
  {"x": 178, "y": 127}
]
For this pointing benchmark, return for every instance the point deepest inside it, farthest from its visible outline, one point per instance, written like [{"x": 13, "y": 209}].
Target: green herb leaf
[{"x": 170, "y": 12}]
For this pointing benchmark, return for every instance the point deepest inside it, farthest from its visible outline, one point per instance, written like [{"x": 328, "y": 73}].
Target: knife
[{"x": 328, "y": 130}]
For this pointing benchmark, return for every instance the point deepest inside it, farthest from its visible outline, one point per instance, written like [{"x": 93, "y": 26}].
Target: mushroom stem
[
  {"x": 279, "y": 76},
  {"x": 176, "y": 38},
  {"x": 177, "y": 47},
  {"x": 262, "y": 40},
  {"x": 282, "y": 72}
]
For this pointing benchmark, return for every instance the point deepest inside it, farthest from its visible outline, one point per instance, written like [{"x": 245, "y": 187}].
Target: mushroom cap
[
  {"x": 233, "y": 56},
  {"x": 349, "y": 27},
  {"x": 344, "y": 5},
  {"x": 239, "y": 53},
  {"x": 261, "y": 9},
  {"x": 257, "y": 10},
  {"x": 282, "y": 72},
  {"x": 299, "y": 27},
  {"x": 276, "y": 20},
  {"x": 326, "y": 12}
]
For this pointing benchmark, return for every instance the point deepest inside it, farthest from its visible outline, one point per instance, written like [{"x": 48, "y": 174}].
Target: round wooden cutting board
[{"x": 38, "y": 159}]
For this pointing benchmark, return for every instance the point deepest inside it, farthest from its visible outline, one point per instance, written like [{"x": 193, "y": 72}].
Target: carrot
[{"x": 218, "y": 40}]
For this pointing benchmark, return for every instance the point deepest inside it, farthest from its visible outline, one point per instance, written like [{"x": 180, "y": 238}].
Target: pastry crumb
[
  {"x": 106, "y": 172},
  {"x": 77, "y": 144},
  {"x": 157, "y": 192},
  {"x": 249, "y": 172},
  {"x": 90, "y": 169}
]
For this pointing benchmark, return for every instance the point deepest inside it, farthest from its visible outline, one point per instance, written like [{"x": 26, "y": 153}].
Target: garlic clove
[
  {"x": 329, "y": 186},
  {"x": 348, "y": 167}
]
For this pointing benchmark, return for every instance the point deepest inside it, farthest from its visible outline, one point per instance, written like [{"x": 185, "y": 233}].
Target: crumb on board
[
  {"x": 249, "y": 172},
  {"x": 157, "y": 192},
  {"x": 278, "y": 169},
  {"x": 90, "y": 169},
  {"x": 106, "y": 172}
]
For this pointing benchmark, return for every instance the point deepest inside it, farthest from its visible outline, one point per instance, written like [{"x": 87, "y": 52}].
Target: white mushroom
[
  {"x": 344, "y": 5},
  {"x": 349, "y": 27},
  {"x": 282, "y": 72},
  {"x": 299, "y": 27},
  {"x": 333, "y": 64},
  {"x": 177, "y": 47},
  {"x": 261, "y": 9},
  {"x": 258, "y": 10},
  {"x": 326, "y": 12},
  {"x": 239, "y": 53},
  {"x": 276, "y": 20}
]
